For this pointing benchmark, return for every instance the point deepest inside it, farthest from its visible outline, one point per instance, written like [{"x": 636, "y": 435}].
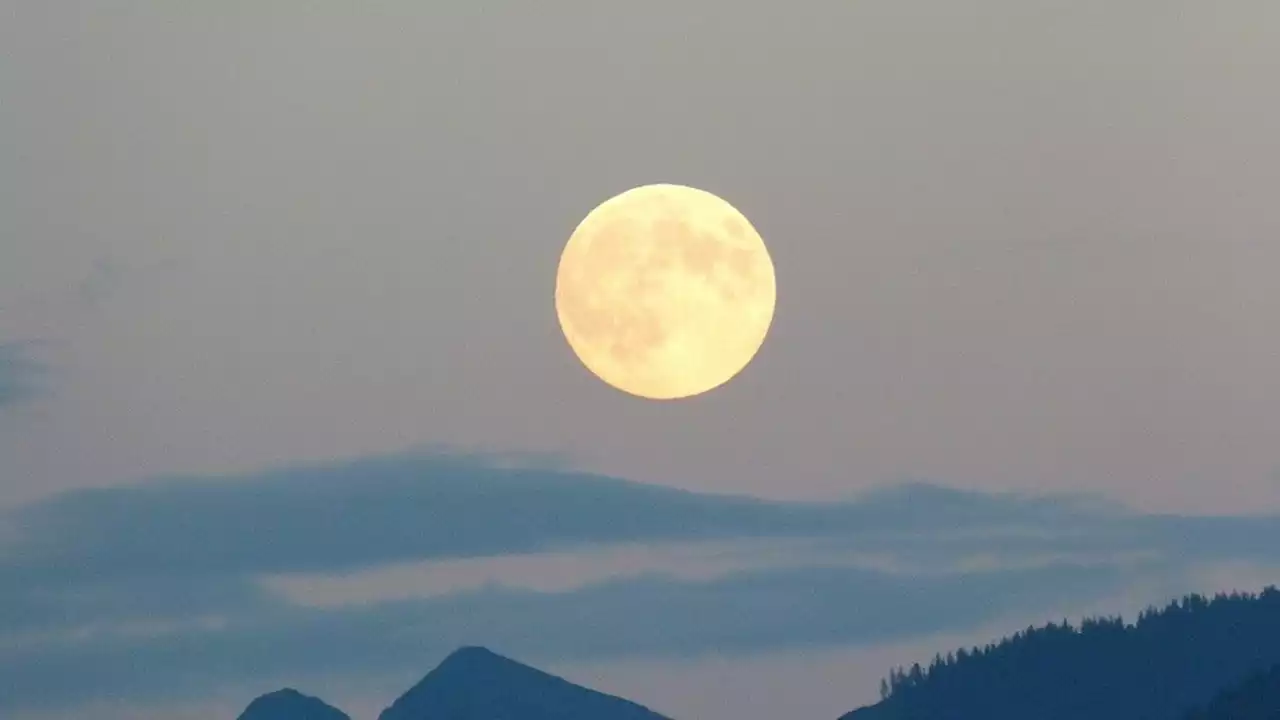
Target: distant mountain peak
[
  {"x": 289, "y": 704},
  {"x": 475, "y": 662},
  {"x": 475, "y": 683},
  {"x": 474, "y": 654}
]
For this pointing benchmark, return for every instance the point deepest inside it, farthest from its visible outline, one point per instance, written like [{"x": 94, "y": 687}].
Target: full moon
[{"x": 665, "y": 291}]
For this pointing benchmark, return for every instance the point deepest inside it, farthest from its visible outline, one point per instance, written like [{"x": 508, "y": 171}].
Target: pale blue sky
[{"x": 1023, "y": 245}]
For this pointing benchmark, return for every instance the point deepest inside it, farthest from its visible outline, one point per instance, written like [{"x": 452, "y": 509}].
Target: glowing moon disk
[{"x": 665, "y": 291}]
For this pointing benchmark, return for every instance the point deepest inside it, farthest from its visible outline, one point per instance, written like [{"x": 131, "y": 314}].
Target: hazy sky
[{"x": 1021, "y": 244}]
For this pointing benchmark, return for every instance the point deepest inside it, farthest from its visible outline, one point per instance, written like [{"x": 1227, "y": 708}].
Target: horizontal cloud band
[{"x": 158, "y": 590}]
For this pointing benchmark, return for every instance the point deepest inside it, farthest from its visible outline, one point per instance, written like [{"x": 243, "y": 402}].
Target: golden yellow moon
[{"x": 665, "y": 291}]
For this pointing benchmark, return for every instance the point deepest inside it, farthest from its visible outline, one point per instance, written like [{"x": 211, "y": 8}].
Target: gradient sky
[
  {"x": 1019, "y": 244},
  {"x": 1023, "y": 245}
]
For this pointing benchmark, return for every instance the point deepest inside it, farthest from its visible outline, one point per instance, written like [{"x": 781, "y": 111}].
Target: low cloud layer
[
  {"x": 187, "y": 579},
  {"x": 343, "y": 516},
  {"x": 638, "y": 617}
]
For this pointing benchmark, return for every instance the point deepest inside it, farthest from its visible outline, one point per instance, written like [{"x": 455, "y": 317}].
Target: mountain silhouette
[
  {"x": 474, "y": 683},
  {"x": 1168, "y": 662},
  {"x": 289, "y": 704},
  {"x": 1258, "y": 698}
]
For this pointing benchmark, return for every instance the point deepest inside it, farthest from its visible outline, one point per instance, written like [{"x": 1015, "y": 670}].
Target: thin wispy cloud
[
  {"x": 20, "y": 375},
  {"x": 348, "y": 515},
  {"x": 354, "y": 514}
]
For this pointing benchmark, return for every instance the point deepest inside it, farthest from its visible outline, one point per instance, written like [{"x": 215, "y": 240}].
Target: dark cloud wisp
[
  {"x": 343, "y": 516},
  {"x": 20, "y": 376}
]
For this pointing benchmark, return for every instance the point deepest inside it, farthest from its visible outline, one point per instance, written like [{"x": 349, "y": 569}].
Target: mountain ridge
[
  {"x": 1157, "y": 668},
  {"x": 475, "y": 683},
  {"x": 289, "y": 704}
]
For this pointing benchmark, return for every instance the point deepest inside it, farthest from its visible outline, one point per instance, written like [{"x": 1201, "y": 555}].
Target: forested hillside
[{"x": 1167, "y": 662}]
